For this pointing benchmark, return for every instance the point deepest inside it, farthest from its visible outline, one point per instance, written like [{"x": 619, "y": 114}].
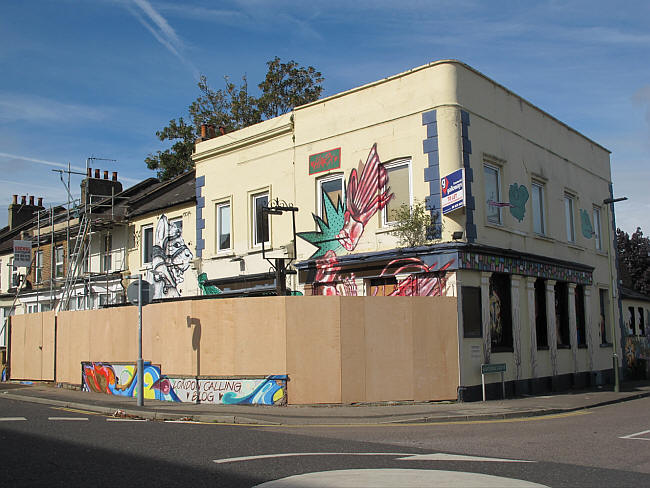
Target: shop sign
[{"x": 325, "y": 161}]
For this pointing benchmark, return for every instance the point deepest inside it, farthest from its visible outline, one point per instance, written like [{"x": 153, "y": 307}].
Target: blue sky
[{"x": 82, "y": 78}]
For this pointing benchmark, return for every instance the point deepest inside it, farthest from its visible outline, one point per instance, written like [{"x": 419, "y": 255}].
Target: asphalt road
[{"x": 46, "y": 446}]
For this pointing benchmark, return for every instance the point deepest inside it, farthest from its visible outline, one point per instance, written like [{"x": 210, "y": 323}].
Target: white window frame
[
  {"x": 496, "y": 168},
  {"x": 393, "y": 165},
  {"x": 218, "y": 207},
  {"x": 570, "y": 217},
  {"x": 327, "y": 179},
  {"x": 38, "y": 267},
  {"x": 253, "y": 202},
  {"x": 542, "y": 207},
  {"x": 597, "y": 219},
  {"x": 58, "y": 263},
  {"x": 107, "y": 253},
  {"x": 143, "y": 232}
]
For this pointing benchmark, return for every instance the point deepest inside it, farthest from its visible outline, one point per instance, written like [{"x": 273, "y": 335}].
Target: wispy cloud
[
  {"x": 16, "y": 157},
  {"x": 35, "y": 109},
  {"x": 164, "y": 33}
]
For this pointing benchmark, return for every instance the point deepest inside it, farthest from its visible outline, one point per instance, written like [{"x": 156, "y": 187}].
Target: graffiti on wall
[
  {"x": 119, "y": 379},
  {"x": 518, "y": 196},
  {"x": 207, "y": 289},
  {"x": 585, "y": 224},
  {"x": 170, "y": 259},
  {"x": 271, "y": 390}
]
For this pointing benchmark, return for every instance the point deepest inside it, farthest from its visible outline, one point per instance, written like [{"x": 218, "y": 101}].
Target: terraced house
[{"x": 521, "y": 229}]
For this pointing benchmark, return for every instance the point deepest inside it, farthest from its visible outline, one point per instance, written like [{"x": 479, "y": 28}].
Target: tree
[
  {"x": 286, "y": 85},
  {"x": 413, "y": 224},
  {"x": 634, "y": 260}
]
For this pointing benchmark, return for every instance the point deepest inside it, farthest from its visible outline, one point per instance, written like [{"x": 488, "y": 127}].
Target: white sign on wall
[{"x": 22, "y": 254}]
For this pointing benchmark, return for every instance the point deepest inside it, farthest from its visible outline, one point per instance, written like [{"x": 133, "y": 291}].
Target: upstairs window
[
  {"x": 107, "y": 253},
  {"x": 492, "y": 193},
  {"x": 259, "y": 221},
  {"x": 223, "y": 227},
  {"x": 597, "y": 232},
  {"x": 539, "y": 219},
  {"x": 147, "y": 244},
  {"x": 569, "y": 212},
  {"x": 330, "y": 187},
  {"x": 38, "y": 267},
  {"x": 59, "y": 271},
  {"x": 399, "y": 182}
]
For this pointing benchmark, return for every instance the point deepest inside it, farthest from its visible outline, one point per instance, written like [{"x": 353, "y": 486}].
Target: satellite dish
[{"x": 132, "y": 292}]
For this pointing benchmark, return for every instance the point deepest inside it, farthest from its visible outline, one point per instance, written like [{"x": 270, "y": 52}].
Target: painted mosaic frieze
[
  {"x": 518, "y": 196},
  {"x": 271, "y": 390},
  {"x": 170, "y": 259},
  {"x": 119, "y": 379}
]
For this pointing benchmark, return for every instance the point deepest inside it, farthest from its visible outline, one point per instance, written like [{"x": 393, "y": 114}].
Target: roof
[
  {"x": 176, "y": 191},
  {"x": 633, "y": 295}
]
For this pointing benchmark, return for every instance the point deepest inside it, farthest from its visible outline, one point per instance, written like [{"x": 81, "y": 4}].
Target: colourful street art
[
  {"x": 207, "y": 289},
  {"x": 119, "y": 379},
  {"x": 518, "y": 196},
  {"x": 585, "y": 224},
  {"x": 170, "y": 259},
  {"x": 366, "y": 193},
  {"x": 271, "y": 390}
]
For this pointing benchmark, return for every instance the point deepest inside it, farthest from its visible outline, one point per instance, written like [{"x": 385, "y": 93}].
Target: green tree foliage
[
  {"x": 634, "y": 260},
  {"x": 413, "y": 224},
  {"x": 286, "y": 85}
]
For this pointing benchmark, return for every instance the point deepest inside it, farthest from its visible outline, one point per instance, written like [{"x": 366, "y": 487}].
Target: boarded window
[
  {"x": 472, "y": 321},
  {"x": 500, "y": 313}
]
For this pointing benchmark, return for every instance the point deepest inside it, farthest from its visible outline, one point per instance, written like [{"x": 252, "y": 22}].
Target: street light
[{"x": 611, "y": 201}]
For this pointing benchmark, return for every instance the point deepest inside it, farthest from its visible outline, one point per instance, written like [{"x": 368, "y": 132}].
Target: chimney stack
[
  {"x": 98, "y": 186},
  {"x": 96, "y": 173},
  {"x": 23, "y": 200},
  {"x": 204, "y": 132},
  {"x": 31, "y": 200},
  {"x": 105, "y": 174},
  {"x": 15, "y": 200},
  {"x": 222, "y": 130},
  {"x": 40, "y": 201},
  {"x": 90, "y": 173},
  {"x": 23, "y": 212},
  {"x": 114, "y": 176}
]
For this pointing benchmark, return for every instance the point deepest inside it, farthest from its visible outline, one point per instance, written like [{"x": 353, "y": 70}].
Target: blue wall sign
[{"x": 452, "y": 190}]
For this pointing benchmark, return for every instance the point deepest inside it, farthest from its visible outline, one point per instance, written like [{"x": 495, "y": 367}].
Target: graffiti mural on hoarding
[
  {"x": 366, "y": 193},
  {"x": 170, "y": 259},
  {"x": 119, "y": 379},
  {"x": 261, "y": 391}
]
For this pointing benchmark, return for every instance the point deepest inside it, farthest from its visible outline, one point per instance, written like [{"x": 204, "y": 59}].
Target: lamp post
[{"x": 614, "y": 283}]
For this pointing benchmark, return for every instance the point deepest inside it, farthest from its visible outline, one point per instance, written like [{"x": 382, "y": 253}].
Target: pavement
[{"x": 315, "y": 415}]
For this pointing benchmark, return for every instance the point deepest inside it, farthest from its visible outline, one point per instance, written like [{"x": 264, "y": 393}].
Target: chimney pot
[
  {"x": 96, "y": 173},
  {"x": 31, "y": 200},
  {"x": 222, "y": 130},
  {"x": 23, "y": 200},
  {"x": 204, "y": 130},
  {"x": 40, "y": 201},
  {"x": 114, "y": 176},
  {"x": 15, "y": 198},
  {"x": 105, "y": 174},
  {"x": 90, "y": 172}
]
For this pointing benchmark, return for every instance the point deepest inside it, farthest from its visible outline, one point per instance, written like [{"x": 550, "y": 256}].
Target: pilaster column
[
  {"x": 485, "y": 316},
  {"x": 551, "y": 324},
  {"x": 516, "y": 322},
  {"x": 532, "y": 324},
  {"x": 589, "y": 328},
  {"x": 573, "y": 327}
]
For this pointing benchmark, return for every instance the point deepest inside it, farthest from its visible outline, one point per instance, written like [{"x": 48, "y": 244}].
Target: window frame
[
  {"x": 38, "y": 267},
  {"x": 497, "y": 169},
  {"x": 143, "y": 233},
  {"x": 218, "y": 207},
  {"x": 107, "y": 253},
  {"x": 597, "y": 227},
  {"x": 319, "y": 192},
  {"x": 570, "y": 217},
  {"x": 253, "y": 203},
  {"x": 542, "y": 206},
  {"x": 58, "y": 263},
  {"x": 507, "y": 342},
  {"x": 389, "y": 166}
]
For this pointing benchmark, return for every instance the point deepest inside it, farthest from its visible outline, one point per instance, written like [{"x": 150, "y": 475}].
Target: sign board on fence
[
  {"x": 22, "y": 254},
  {"x": 452, "y": 191},
  {"x": 493, "y": 368}
]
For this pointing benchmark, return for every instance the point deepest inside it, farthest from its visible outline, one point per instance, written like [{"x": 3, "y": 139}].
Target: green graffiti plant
[
  {"x": 518, "y": 197},
  {"x": 585, "y": 221},
  {"x": 325, "y": 237}
]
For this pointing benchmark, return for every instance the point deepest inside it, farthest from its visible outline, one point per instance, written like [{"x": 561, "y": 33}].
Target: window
[
  {"x": 539, "y": 219},
  {"x": 333, "y": 187},
  {"x": 569, "y": 212},
  {"x": 223, "y": 226},
  {"x": 492, "y": 193},
  {"x": 147, "y": 244},
  {"x": 58, "y": 262},
  {"x": 597, "y": 238},
  {"x": 399, "y": 182},
  {"x": 632, "y": 321},
  {"x": 15, "y": 275},
  {"x": 580, "y": 315},
  {"x": 382, "y": 287},
  {"x": 38, "y": 266},
  {"x": 259, "y": 221},
  {"x": 641, "y": 322},
  {"x": 107, "y": 252},
  {"x": 541, "y": 326},
  {"x": 562, "y": 314},
  {"x": 472, "y": 321},
  {"x": 500, "y": 313},
  {"x": 604, "y": 309}
]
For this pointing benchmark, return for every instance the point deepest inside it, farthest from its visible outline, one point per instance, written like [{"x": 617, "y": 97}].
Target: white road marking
[
  {"x": 11, "y": 419},
  {"x": 180, "y": 422},
  {"x": 389, "y": 478},
  {"x": 402, "y": 456},
  {"x": 441, "y": 456},
  {"x": 126, "y": 420},
  {"x": 637, "y": 436},
  {"x": 68, "y": 418}
]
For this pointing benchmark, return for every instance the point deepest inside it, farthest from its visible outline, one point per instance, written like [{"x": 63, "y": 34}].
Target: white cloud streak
[
  {"x": 35, "y": 109},
  {"x": 39, "y": 161},
  {"x": 164, "y": 33}
]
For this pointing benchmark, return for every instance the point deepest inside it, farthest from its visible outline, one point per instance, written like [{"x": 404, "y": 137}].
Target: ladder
[{"x": 76, "y": 257}]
